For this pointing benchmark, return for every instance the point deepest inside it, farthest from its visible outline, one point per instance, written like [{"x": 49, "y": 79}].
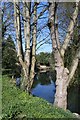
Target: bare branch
[
  {"x": 18, "y": 32},
  {"x": 70, "y": 30},
  {"x": 42, "y": 44},
  {"x": 74, "y": 65},
  {"x": 43, "y": 39},
  {"x": 42, "y": 12},
  {"x": 56, "y": 27}
]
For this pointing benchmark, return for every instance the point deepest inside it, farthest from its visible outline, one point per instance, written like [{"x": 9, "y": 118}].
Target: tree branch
[
  {"x": 41, "y": 13},
  {"x": 18, "y": 32},
  {"x": 42, "y": 44},
  {"x": 74, "y": 65},
  {"x": 56, "y": 27},
  {"x": 70, "y": 30}
]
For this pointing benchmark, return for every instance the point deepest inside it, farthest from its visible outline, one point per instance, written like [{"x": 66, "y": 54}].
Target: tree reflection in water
[{"x": 44, "y": 86}]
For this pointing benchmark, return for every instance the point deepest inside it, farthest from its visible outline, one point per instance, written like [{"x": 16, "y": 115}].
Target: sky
[
  {"x": 43, "y": 33},
  {"x": 45, "y": 48}
]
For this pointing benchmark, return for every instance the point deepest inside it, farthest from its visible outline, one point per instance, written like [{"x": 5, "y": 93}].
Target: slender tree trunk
[
  {"x": 27, "y": 36},
  {"x": 19, "y": 42},
  {"x": 74, "y": 65},
  {"x": 18, "y": 32},
  {"x": 34, "y": 34},
  {"x": 28, "y": 74},
  {"x": 56, "y": 30},
  {"x": 26, "y": 14},
  {"x": 70, "y": 30}
]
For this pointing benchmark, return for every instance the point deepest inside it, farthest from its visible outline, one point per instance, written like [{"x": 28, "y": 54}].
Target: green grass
[{"x": 18, "y": 105}]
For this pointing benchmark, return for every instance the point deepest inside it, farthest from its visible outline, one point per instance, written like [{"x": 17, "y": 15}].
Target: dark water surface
[{"x": 44, "y": 87}]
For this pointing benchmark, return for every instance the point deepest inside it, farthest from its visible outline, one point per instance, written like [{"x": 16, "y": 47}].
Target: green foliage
[
  {"x": 70, "y": 53},
  {"x": 9, "y": 56},
  {"x": 9, "y": 53},
  {"x": 19, "y": 105},
  {"x": 43, "y": 58}
]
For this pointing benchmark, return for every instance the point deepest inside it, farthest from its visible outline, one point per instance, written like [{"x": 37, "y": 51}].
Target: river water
[{"x": 44, "y": 87}]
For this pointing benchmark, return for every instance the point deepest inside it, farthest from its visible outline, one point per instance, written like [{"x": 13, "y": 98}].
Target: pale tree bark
[
  {"x": 56, "y": 28},
  {"x": 26, "y": 14},
  {"x": 74, "y": 65},
  {"x": 70, "y": 30},
  {"x": 18, "y": 32},
  {"x": 20, "y": 55},
  {"x": 28, "y": 72},
  {"x": 27, "y": 32},
  {"x": 62, "y": 73},
  {"x": 34, "y": 34}
]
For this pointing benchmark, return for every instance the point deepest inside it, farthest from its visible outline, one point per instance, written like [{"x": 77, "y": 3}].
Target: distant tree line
[{"x": 43, "y": 58}]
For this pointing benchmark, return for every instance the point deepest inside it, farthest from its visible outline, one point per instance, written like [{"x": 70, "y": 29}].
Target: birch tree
[
  {"x": 34, "y": 39},
  {"x": 27, "y": 62},
  {"x": 19, "y": 42},
  {"x": 26, "y": 15},
  {"x": 63, "y": 74}
]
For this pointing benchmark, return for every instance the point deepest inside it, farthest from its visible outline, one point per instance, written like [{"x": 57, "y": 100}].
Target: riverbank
[{"x": 18, "y": 105}]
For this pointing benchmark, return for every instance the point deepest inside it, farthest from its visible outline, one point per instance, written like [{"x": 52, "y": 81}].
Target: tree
[
  {"x": 7, "y": 19},
  {"x": 34, "y": 36},
  {"x": 24, "y": 59},
  {"x": 43, "y": 58},
  {"x": 9, "y": 57},
  {"x": 63, "y": 74}
]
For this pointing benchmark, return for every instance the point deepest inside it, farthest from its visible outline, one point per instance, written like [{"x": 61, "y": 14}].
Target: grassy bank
[{"x": 17, "y": 105}]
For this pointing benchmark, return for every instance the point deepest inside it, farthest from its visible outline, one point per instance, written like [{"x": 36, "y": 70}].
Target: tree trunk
[
  {"x": 20, "y": 55},
  {"x": 61, "y": 81},
  {"x": 26, "y": 13},
  {"x": 34, "y": 33},
  {"x": 62, "y": 73},
  {"x": 28, "y": 74},
  {"x": 70, "y": 30},
  {"x": 18, "y": 31}
]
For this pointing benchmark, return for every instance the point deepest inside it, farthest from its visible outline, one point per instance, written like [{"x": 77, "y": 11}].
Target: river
[{"x": 44, "y": 87}]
